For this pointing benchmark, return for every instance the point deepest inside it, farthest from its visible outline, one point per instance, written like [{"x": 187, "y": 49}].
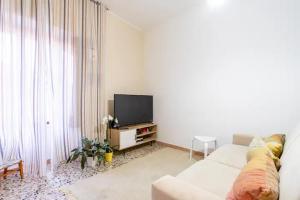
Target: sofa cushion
[
  {"x": 242, "y": 139},
  {"x": 171, "y": 188},
  {"x": 231, "y": 155},
  {"x": 212, "y": 176},
  {"x": 289, "y": 172}
]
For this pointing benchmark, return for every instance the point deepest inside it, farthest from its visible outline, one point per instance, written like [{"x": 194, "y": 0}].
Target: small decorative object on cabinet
[{"x": 131, "y": 136}]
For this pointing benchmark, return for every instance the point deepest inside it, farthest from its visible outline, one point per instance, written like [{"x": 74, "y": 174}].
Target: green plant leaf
[
  {"x": 75, "y": 156},
  {"x": 100, "y": 159},
  {"x": 76, "y": 149},
  {"x": 69, "y": 159},
  {"x": 83, "y": 161}
]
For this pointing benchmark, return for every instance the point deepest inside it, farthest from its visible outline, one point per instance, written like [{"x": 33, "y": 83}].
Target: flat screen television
[{"x": 133, "y": 109}]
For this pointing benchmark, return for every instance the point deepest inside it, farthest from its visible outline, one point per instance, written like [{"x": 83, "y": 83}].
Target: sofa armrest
[
  {"x": 242, "y": 139},
  {"x": 171, "y": 188}
]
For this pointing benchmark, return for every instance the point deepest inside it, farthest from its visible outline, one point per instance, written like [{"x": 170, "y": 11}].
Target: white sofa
[{"x": 212, "y": 178}]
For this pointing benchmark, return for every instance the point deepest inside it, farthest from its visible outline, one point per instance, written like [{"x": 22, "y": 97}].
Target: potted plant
[
  {"x": 108, "y": 151},
  {"x": 91, "y": 152}
]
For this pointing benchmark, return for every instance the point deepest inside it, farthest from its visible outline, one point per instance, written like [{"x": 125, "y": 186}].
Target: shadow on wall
[{"x": 110, "y": 108}]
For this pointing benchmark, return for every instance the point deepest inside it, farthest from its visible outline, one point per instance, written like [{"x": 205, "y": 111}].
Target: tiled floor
[{"x": 47, "y": 188}]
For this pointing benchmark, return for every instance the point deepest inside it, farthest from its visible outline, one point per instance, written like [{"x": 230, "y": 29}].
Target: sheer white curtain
[{"x": 51, "y": 58}]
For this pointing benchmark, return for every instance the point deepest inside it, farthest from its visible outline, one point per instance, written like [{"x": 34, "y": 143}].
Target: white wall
[
  {"x": 124, "y": 71},
  {"x": 222, "y": 70}
]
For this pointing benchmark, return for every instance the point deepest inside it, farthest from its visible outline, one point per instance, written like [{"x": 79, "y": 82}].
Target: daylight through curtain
[{"x": 51, "y": 57}]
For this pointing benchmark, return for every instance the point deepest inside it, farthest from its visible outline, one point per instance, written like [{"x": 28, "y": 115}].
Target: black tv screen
[{"x": 133, "y": 109}]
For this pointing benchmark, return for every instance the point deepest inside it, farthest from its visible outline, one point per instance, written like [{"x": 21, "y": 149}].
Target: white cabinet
[{"x": 127, "y": 138}]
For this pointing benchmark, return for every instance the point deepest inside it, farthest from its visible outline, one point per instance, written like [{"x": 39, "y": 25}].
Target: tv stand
[{"x": 130, "y": 136}]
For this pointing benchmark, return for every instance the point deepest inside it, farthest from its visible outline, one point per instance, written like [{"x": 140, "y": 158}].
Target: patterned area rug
[{"x": 47, "y": 188}]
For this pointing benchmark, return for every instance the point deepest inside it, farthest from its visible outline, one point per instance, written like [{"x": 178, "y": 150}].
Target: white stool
[{"x": 205, "y": 140}]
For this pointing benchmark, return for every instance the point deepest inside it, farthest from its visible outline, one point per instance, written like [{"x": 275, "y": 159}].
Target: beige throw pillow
[{"x": 258, "y": 145}]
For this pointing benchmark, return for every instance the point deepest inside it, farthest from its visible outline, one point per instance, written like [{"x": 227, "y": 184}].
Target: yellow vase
[{"x": 108, "y": 156}]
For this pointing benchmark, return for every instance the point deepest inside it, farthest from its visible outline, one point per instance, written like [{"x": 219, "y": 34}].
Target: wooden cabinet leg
[
  {"x": 5, "y": 172},
  {"x": 21, "y": 169}
]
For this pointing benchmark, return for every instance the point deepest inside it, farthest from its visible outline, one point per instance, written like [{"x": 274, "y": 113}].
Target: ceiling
[{"x": 146, "y": 13}]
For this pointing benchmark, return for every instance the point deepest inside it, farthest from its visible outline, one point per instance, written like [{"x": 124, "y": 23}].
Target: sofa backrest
[{"x": 290, "y": 169}]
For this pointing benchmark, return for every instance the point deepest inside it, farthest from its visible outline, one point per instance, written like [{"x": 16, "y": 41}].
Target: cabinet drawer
[{"x": 127, "y": 138}]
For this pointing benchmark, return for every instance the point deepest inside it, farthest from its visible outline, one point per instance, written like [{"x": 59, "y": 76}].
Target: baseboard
[{"x": 198, "y": 153}]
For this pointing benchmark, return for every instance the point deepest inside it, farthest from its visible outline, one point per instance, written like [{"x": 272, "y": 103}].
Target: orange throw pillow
[{"x": 258, "y": 180}]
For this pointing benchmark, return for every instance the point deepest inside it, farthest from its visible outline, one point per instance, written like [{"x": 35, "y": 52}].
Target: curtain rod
[{"x": 99, "y": 2}]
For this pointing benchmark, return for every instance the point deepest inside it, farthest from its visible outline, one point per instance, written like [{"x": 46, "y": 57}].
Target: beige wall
[{"x": 124, "y": 71}]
